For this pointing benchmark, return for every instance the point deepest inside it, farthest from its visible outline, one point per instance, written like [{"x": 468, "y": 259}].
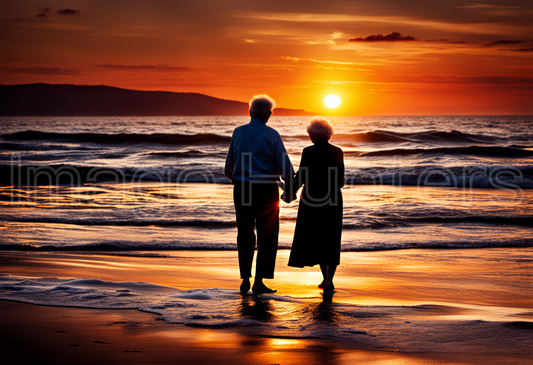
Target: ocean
[
  {"x": 157, "y": 183},
  {"x": 135, "y": 213}
]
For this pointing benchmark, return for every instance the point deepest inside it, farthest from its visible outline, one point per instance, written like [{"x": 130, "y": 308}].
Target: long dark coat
[{"x": 317, "y": 236}]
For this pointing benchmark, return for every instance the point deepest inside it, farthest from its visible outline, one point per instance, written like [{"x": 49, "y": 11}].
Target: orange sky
[{"x": 450, "y": 57}]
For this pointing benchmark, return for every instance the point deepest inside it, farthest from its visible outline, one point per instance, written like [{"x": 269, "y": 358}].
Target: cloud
[
  {"x": 312, "y": 60},
  {"x": 341, "y": 82},
  {"x": 501, "y": 42},
  {"x": 467, "y": 26},
  {"x": 44, "y": 13},
  {"x": 447, "y": 41},
  {"x": 393, "y": 37},
  {"x": 523, "y": 49},
  {"x": 479, "y": 79},
  {"x": 450, "y": 79},
  {"x": 12, "y": 20},
  {"x": 43, "y": 70},
  {"x": 158, "y": 67},
  {"x": 68, "y": 11},
  {"x": 482, "y": 5}
]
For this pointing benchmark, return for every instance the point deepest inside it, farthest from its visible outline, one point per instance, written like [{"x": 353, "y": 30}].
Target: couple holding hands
[{"x": 255, "y": 161}]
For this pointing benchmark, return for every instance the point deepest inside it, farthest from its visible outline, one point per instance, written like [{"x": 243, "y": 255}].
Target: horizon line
[{"x": 238, "y": 101}]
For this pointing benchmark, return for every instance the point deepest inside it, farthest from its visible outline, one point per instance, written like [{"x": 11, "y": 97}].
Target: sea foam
[{"x": 367, "y": 327}]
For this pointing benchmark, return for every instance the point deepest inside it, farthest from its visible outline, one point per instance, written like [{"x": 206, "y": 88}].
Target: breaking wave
[
  {"x": 482, "y": 176},
  {"x": 428, "y": 137},
  {"x": 123, "y": 138},
  {"x": 485, "y": 151},
  {"x": 209, "y": 246}
]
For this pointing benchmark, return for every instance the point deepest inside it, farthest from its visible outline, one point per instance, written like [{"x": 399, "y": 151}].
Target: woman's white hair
[
  {"x": 261, "y": 104},
  {"x": 320, "y": 129}
]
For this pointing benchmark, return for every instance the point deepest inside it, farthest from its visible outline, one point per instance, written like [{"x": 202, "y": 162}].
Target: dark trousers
[{"x": 257, "y": 206}]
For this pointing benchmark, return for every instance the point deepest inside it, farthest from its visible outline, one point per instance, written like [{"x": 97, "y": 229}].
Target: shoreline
[
  {"x": 373, "y": 276},
  {"x": 34, "y": 334},
  {"x": 406, "y": 307},
  {"x": 39, "y": 334}
]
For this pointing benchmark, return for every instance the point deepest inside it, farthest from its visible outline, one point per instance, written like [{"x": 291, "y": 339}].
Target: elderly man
[{"x": 255, "y": 161}]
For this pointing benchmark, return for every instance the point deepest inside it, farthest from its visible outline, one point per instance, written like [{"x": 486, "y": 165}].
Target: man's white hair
[
  {"x": 320, "y": 129},
  {"x": 261, "y": 104}
]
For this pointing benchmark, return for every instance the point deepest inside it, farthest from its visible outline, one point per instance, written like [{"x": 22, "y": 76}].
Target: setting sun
[{"x": 332, "y": 101}]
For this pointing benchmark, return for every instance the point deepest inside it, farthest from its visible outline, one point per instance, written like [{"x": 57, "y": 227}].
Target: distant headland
[{"x": 85, "y": 100}]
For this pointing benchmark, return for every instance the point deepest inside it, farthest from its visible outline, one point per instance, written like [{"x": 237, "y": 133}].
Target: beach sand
[{"x": 437, "y": 307}]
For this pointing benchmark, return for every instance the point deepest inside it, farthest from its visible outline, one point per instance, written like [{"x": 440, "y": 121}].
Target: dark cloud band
[
  {"x": 393, "y": 37},
  {"x": 44, "y": 13},
  {"x": 158, "y": 67},
  {"x": 68, "y": 11},
  {"x": 501, "y": 42}
]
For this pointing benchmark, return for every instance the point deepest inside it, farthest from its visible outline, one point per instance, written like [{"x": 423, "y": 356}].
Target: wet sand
[
  {"x": 41, "y": 334},
  {"x": 458, "y": 300}
]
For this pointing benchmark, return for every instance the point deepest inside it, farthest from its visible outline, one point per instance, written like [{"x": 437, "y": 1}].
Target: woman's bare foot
[{"x": 321, "y": 285}]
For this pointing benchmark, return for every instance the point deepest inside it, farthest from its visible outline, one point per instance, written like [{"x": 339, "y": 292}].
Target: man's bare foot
[
  {"x": 262, "y": 289},
  {"x": 321, "y": 285},
  {"x": 245, "y": 286}
]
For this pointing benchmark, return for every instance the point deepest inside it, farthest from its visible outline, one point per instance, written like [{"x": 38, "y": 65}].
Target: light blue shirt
[{"x": 257, "y": 153}]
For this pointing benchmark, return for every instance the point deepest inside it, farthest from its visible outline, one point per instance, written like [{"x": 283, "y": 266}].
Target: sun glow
[{"x": 332, "y": 101}]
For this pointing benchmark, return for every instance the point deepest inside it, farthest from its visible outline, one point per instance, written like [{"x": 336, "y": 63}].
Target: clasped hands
[{"x": 287, "y": 198}]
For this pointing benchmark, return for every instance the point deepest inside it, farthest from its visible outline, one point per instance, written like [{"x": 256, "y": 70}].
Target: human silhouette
[
  {"x": 255, "y": 161},
  {"x": 317, "y": 236}
]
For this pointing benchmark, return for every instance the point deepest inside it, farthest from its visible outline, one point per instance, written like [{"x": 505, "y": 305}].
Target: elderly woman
[{"x": 317, "y": 237}]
